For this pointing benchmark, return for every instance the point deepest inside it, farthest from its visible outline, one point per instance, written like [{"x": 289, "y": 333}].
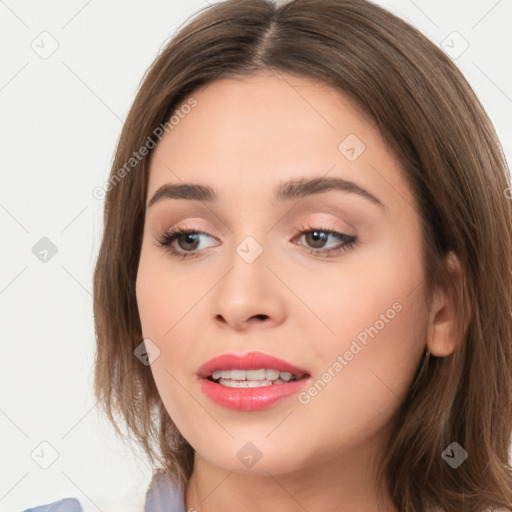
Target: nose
[{"x": 248, "y": 294}]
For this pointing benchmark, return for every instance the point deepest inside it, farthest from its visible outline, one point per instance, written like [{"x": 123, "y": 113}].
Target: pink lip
[
  {"x": 249, "y": 399},
  {"x": 249, "y": 361}
]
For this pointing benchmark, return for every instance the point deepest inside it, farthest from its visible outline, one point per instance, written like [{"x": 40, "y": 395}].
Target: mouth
[
  {"x": 250, "y": 382},
  {"x": 252, "y": 367}
]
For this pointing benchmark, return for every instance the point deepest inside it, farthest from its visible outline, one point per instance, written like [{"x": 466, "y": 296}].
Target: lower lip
[{"x": 250, "y": 399}]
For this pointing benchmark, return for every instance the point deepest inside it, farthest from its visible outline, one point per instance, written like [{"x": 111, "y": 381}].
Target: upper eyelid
[
  {"x": 311, "y": 205},
  {"x": 326, "y": 222},
  {"x": 302, "y": 228}
]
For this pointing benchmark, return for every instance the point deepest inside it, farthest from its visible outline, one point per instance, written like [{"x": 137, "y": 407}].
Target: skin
[{"x": 243, "y": 137}]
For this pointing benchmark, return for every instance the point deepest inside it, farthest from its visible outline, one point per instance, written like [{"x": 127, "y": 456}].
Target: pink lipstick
[{"x": 250, "y": 382}]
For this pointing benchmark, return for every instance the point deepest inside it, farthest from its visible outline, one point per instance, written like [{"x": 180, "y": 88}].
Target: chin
[{"x": 254, "y": 455}]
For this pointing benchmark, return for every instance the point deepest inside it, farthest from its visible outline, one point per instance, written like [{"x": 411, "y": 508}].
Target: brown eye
[
  {"x": 316, "y": 239},
  {"x": 187, "y": 240},
  {"x": 190, "y": 241}
]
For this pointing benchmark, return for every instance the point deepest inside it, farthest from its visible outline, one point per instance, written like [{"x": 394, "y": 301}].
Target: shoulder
[{"x": 64, "y": 505}]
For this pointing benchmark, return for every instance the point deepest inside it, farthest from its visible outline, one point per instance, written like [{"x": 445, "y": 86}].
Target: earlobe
[{"x": 442, "y": 332}]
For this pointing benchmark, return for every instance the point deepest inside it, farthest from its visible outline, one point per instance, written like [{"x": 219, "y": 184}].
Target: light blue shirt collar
[{"x": 164, "y": 495}]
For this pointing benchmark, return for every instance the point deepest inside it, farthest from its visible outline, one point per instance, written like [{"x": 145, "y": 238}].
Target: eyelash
[{"x": 167, "y": 238}]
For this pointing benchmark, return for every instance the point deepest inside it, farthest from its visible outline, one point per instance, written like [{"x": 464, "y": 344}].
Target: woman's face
[{"x": 348, "y": 310}]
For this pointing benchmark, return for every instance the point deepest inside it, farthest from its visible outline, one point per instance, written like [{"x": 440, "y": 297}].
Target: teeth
[
  {"x": 262, "y": 375},
  {"x": 271, "y": 374},
  {"x": 244, "y": 383},
  {"x": 237, "y": 375},
  {"x": 255, "y": 374}
]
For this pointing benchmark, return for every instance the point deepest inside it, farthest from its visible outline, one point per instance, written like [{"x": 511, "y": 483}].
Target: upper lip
[{"x": 248, "y": 361}]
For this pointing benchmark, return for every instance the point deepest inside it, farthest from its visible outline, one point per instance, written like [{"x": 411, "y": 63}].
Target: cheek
[
  {"x": 379, "y": 320},
  {"x": 162, "y": 301},
  {"x": 366, "y": 373},
  {"x": 373, "y": 293},
  {"x": 373, "y": 299},
  {"x": 163, "y": 297}
]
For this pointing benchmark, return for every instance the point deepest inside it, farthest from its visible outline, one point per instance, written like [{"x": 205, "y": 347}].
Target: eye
[
  {"x": 316, "y": 238},
  {"x": 189, "y": 239}
]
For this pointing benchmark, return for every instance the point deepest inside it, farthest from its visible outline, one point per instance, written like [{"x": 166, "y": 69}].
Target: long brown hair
[{"x": 432, "y": 120}]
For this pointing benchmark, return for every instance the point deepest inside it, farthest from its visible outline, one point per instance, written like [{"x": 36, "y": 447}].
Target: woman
[{"x": 303, "y": 292}]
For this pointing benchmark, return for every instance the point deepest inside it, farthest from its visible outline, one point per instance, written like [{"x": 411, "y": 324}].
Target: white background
[{"x": 60, "y": 120}]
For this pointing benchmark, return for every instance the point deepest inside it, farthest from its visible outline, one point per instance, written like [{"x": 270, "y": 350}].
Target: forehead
[{"x": 247, "y": 134}]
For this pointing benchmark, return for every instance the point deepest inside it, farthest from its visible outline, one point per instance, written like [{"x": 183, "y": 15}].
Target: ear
[{"x": 442, "y": 325}]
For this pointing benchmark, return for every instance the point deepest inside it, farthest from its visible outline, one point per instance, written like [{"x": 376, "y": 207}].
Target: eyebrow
[{"x": 285, "y": 191}]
